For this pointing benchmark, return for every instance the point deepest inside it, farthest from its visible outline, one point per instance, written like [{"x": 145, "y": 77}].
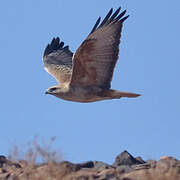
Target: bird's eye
[{"x": 53, "y": 89}]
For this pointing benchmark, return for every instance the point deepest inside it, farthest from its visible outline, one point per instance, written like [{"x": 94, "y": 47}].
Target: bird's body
[
  {"x": 86, "y": 75},
  {"x": 88, "y": 94},
  {"x": 80, "y": 94}
]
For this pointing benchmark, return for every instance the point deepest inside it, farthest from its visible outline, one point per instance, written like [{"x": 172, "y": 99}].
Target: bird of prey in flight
[{"x": 86, "y": 75}]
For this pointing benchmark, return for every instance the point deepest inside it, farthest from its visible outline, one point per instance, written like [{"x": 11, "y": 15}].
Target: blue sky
[{"x": 149, "y": 64}]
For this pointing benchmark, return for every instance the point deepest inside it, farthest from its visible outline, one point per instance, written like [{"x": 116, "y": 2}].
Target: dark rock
[
  {"x": 69, "y": 166},
  {"x": 125, "y": 159},
  {"x": 88, "y": 164},
  {"x": 101, "y": 165},
  {"x": 141, "y": 161},
  {"x": 2, "y": 161},
  {"x": 6, "y": 162}
]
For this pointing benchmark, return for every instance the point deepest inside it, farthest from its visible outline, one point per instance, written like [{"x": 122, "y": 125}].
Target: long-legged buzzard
[{"x": 86, "y": 76}]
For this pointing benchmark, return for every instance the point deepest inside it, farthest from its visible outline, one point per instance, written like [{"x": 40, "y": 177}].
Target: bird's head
[
  {"x": 56, "y": 90},
  {"x": 53, "y": 90}
]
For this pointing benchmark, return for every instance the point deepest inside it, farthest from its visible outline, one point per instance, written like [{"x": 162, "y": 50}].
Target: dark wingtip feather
[
  {"x": 123, "y": 19},
  {"x": 121, "y": 15},
  {"x": 55, "y": 43},
  {"x": 96, "y": 24},
  {"x": 54, "y": 46},
  {"x": 115, "y": 14},
  {"x": 110, "y": 18},
  {"x": 66, "y": 48},
  {"x": 106, "y": 18},
  {"x": 61, "y": 44}
]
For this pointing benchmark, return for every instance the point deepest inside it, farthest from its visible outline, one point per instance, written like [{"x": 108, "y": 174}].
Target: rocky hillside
[{"x": 125, "y": 167}]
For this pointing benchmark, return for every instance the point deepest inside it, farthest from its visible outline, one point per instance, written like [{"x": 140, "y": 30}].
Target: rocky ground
[{"x": 125, "y": 167}]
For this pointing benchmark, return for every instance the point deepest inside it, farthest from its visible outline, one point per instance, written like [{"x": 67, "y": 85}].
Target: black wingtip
[
  {"x": 123, "y": 19},
  {"x": 110, "y": 18},
  {"x": 66, "y": 48},
  {"x": 106, "y": 18},
  {"x": 121, "y": 15},
  {"x": 96, "y": 24},
  {"x": 53, "y": 46},
  {"x": 115, "y": 14},
  {"x": 61, "y": 44},
  {"x": 55, "y": 43}
]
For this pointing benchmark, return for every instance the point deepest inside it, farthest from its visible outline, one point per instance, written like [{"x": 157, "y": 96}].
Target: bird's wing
[
  {"x": 57, "y": 61},
  {"x": 95, "y": 59}
]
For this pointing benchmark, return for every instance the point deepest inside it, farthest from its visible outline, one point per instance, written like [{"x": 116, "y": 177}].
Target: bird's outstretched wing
[
  {"x": 95, "y": 59},
  {"x": 57, "y": 61}
]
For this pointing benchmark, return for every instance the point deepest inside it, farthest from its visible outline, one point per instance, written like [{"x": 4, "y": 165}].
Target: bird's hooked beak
[
  {"x": 47, "y": 91},
  {"x": 50, "y": 90}
]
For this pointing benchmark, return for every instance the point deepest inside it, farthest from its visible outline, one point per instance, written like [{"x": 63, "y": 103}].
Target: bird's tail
[{"x": 118, "y": 94}]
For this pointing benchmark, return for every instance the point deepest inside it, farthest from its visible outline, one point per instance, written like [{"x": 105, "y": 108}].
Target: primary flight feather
[{"x": 86, "y": 76}]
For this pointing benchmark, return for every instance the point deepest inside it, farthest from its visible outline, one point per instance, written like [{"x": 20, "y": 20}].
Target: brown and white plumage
[
  {"x": 58, "y": 61},
  {"x": 86, "y": 76}
]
